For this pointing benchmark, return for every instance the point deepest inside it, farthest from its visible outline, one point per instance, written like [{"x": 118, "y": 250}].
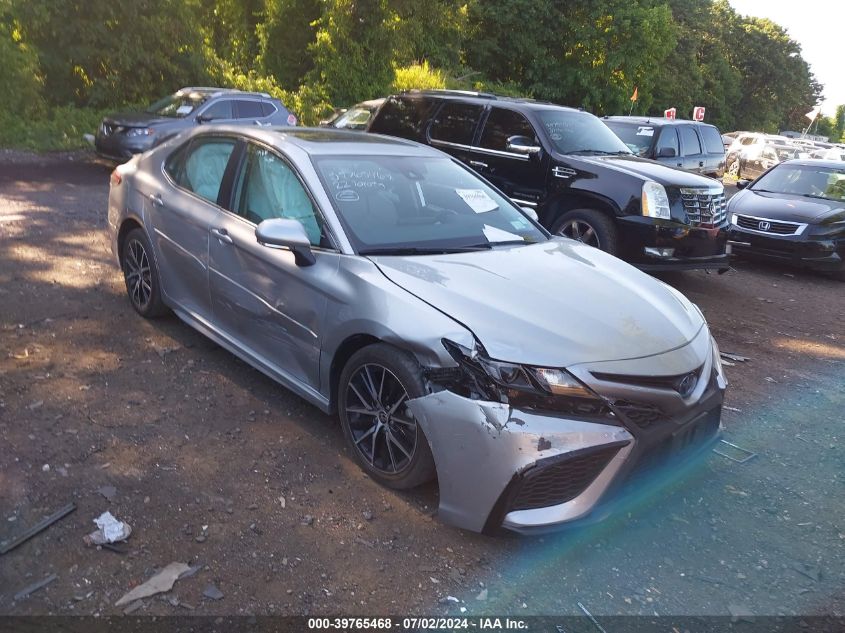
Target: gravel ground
[{"x": 214, "y": 465}]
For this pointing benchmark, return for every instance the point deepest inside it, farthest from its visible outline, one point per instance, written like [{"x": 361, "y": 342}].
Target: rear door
[
  {"x": 692, "y": 153},
  {"x": 261, "y": 298},
  {"x": 181, "y": 207},
  {"x": 453, "y": 129},
  {"x": 714, "y": 150},
  {"x": 521, "y": 177}
]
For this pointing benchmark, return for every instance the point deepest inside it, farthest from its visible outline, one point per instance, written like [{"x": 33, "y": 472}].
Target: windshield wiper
[
  {"x": 417, "y": 250},
  {"x": 601, "y": 152}
]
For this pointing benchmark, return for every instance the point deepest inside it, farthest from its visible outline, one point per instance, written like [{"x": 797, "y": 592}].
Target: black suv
[
  {"x": 690, "y": 145},
  {"x": 583, "y": 182}
]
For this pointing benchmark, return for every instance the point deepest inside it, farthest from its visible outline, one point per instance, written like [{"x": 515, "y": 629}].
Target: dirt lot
[{"x": 200, "y": 451}]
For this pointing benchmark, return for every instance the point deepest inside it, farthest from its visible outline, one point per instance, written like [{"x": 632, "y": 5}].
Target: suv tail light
[{"x": 115, "y": 178}]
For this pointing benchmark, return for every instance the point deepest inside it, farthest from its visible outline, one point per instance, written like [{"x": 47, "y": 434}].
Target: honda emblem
[{"x": 764, "y": 225}]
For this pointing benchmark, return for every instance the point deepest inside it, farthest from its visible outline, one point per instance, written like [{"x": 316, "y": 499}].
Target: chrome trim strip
[
  {"x": 525, "y": 203},
  {"x": 497, "y": 152},
  {"x": 181, "y": 248},
  {"x": 800, "y": 228},
  {"x": 260, "y": 299},
  {"x": 435, "y": 141}
]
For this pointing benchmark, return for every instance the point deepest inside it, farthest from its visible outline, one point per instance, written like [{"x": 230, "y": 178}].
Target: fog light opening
[{"x": 659, "y": 252}]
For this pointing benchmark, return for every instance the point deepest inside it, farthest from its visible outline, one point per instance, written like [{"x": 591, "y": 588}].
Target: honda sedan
[{"x": 454, "y": 337}]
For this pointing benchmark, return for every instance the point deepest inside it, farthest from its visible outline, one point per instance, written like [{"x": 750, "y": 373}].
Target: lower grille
[
  {"x": 561, "y": 481},
  {"x": 767, "y": 226},
  {"x": 643, "y": 416},
  {"x": 704, "y": 206}
]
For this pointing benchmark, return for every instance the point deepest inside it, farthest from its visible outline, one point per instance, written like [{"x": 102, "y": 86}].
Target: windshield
[
  {"x": 177, "y": 106},
  {"x": 353, "y": 119},
  {"x": 414, "y": 204},
  {"x": 637, "y": 137},
  {"x": 580, "y": 132},
  {"x": 814, "y": 182}
]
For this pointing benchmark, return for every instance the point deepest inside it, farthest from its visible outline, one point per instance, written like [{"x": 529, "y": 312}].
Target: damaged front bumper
[{"x": 529, "y": 471}]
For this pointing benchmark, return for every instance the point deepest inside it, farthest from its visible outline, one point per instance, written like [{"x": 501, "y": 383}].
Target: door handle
[
  {"x": 701, "y": 163},
  {"x": 222, "y": 236},
  {"x": 155, "y": 200},
  {"x": 478, "y": 163}
]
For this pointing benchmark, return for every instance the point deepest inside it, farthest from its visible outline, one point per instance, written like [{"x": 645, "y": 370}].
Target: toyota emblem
[{"x": 687, "y": 384}]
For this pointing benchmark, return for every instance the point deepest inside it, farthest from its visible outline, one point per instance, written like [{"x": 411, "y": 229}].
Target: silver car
[{"x": 375, "y": 277}]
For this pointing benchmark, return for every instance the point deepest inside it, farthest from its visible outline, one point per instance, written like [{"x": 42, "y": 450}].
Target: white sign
[
  {"x": 698, "y": 113},
  {"x": 477, "y": 200},
  {"x": 670, "y": 113}
]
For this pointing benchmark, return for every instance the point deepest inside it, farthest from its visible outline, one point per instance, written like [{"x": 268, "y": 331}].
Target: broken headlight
[{"x": 480, "y": 377}]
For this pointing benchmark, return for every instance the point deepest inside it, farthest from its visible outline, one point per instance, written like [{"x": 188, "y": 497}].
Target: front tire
[
  {"x": 140, "y": 273},
  {"x": 590, "y": 227},
  {"x": 733, "y": 169},
  {"x": 383, "y": 434}
]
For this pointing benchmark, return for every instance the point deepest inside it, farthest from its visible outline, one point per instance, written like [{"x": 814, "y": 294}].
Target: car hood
[
  {"x": 553, "y": 304},
  {"x": 783, "y": 206},
  {"x": 135, "y": 119},
  {"x": 645, "y": 169}
]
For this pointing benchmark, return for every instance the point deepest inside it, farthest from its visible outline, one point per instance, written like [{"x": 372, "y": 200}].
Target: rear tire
[
  {"x": 590, "y": 227},
  {"x": 143, "y": 285},
  {"x": 383, "y": 434}
]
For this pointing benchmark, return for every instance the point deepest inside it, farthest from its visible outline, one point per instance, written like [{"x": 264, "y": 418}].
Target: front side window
[
  {"x": 415, "y": 204},
  {"x": 268, "y": 188},
  {"x": 574, "y": 132},
  {"x": 204, "y": 166},
  {"x": 456, "y": 123},
  {"x": 689, "y": 141},
  {"x": 501, "y": 125},
  {"x": 668, "y": 139}
]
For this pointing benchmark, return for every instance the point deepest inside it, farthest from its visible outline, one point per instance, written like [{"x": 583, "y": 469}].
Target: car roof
[
  {"x": 484, "y": 98},
  {"x": 654, "y": 120},
  {"x": 215, "y": 92},
  {"x": 326, "y": 141},
  {"x": 815, "y": 162}
]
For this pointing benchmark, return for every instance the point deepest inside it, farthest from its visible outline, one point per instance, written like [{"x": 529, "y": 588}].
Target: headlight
[
  {"x": 655, "y": 202},
  {"x": 484, "y": 378},
  {"x": 140, "y": 131}
]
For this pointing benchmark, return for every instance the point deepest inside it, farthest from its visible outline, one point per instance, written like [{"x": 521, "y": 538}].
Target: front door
[
  {"x": 181, "y": 209},
  {"x": 521, "y": 177},
  {"x": 260, "y": 296}
]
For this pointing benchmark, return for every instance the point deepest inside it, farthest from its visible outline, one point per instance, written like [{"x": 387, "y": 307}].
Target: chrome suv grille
[
  {"x": 107, "y": 129},
  {"x": 763, "y": 225},
  {"x": 705, "y": 206}
]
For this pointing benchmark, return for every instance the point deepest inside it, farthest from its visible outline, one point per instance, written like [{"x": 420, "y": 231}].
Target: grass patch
[{"x": 61, "y": 128}]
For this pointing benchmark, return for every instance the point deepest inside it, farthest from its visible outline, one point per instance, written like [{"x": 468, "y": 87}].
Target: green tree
[
  {"x": 18, "y": 69},
  {"x": 285, "y": 39},
  {"x": 353, "y": 50},
  {"x": 103, "y": 53},
  {"x": 429, "y": 30},
  {"x": 232, "y": 29}
]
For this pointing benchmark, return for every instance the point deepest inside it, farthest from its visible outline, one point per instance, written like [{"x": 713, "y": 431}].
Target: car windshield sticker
[
  {"x": 184, "y": 109},
  {"x": 477, "y": 200},
  {"x": 494, "y": 235},
  {"x": 645, "y": 131},
  {"x": 520, "y": 224}
]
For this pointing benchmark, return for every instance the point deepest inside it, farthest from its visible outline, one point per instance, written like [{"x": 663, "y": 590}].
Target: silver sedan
[{"x": 532, "y": 376}]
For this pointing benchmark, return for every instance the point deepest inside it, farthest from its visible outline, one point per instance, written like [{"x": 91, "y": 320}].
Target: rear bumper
[
  {"x": 827, "y": 255},
  {"x": 692, "y": 248}
]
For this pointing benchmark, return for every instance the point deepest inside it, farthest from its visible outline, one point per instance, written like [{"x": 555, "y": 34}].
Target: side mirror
[
  {"x": 290, "y": 234},
  {"x": 667, "y": 152},
  {"x": 522, "y": 145},
  {"x": 742, "y": 184},
  {"x": 203, "y": 118},
  {"x": 531, "y": 213}
]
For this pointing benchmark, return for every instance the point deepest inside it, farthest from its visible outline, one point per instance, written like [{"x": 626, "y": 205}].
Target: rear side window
[
  {"x": 712, "y": 139},
  {"x": 689, "y": 140},
  {"x": 267, "y": 108},
  {"x": 402, "y": 117},
  {"x": 456, "y": 123},
  {"x": 501, "y": 125},
  {"x": 747, "y": 140},
  {"x": 204, "y": 166},
  {"x": 249, "y": 110}
]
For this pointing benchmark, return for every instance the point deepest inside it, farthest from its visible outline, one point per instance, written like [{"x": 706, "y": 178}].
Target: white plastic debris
[
  {"x": 110, "y": 530},
  {"x": 161, "y": 582}
]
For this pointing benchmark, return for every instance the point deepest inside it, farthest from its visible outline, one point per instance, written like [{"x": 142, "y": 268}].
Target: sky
[{"x": 817, "y": 25}]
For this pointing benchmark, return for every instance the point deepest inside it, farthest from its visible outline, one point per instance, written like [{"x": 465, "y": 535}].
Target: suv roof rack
[{"x": 456, "y": 93}]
